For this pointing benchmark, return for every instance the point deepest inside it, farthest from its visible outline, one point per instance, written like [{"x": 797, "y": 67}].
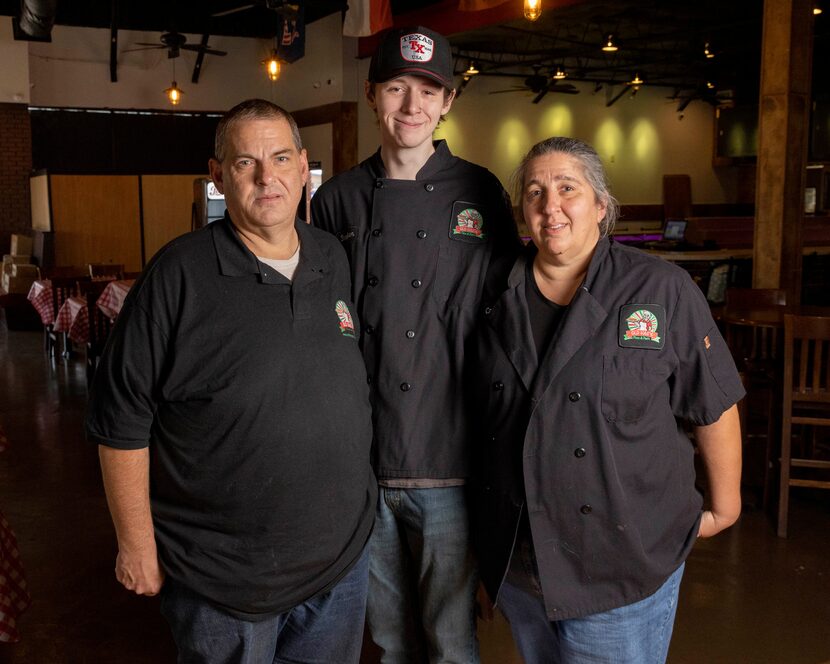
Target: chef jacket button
[
  {"x": 421, "y": 234},
  {"x": 369, "y": 329},
  {"x": 378, "y": 184},
  {"x": 586, "y": 509},
  {"x": 369, "y": 380},
  {"x": 579, "y": 452},
  {"x": 373, "y": 281},
  {"x": 416, "y": 283},
  {"x": 376, "y": 232},
  {"x": 405, "y": 387},
  {"x": 488, "y": 311},
  {"x": 410, "y": 334},
  {"x": 498, "y": 385},
  {"x": 574, "y": 396},
  {"x": 429, "y": 187}
]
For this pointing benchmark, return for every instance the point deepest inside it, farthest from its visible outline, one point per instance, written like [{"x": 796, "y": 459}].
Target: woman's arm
[{"x": 720, "y": 448}]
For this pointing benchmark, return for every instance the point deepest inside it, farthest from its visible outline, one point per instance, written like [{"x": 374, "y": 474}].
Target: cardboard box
[
  {"x": 19, "y": 285},
  {"x": 25, "y": 270},
  {"x": 21, "y": 245}
]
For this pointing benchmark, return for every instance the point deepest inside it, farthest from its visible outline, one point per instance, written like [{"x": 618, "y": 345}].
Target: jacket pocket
[{"x": 630, "y": 381}]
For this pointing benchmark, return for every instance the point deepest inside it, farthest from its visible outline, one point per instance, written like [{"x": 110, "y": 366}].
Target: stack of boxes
[{"x": 18, "y": 271}]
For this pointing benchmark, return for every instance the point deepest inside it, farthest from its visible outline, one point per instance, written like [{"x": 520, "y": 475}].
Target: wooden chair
[
  {"x": 757, "y": 354},
  {"x": 758, "y": 346},
  {"x": 105, "y": 271},
  {"x": 806, "y": 402},
  {"x": 63, "y": 287},
  {"x": 99, "y": 325}
]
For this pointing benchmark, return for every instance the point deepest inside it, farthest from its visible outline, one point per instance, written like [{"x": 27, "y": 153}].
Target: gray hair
[
  {"x": 253, "y": 109},
  {"x": 591, "y": 165}
]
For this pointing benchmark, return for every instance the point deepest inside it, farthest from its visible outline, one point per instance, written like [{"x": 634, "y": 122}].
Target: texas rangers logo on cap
[{"x": 416, "y": 47}]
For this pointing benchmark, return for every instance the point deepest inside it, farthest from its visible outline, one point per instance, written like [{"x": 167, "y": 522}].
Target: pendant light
[
  {"x": 174, "y": 92},
  {"x": 533, "y": 9},
  {"x": 273, "y": 66}
]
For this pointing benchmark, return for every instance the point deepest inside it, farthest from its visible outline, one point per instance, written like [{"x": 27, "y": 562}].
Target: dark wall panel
[{"x": 117, "y": 142}]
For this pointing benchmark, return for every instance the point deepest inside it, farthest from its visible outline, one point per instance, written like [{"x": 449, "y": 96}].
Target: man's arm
[
  {"x": 720, "y": 448},
  {"x": 126, "y": 476}
]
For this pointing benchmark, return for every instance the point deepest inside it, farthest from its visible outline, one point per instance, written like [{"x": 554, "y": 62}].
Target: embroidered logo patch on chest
[
  {"x": 642, "y": 326},
  {"x": 467, "y": 223},
  {"x": 345, "y": 319}
]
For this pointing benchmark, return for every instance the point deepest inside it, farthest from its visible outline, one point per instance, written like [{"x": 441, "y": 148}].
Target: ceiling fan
[
  {"x": 540, "y": 85},
  {"x": 175, "y": 42}
]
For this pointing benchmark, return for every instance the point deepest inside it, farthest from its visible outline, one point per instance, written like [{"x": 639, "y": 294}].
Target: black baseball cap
[{"x": 417, "y": 51}]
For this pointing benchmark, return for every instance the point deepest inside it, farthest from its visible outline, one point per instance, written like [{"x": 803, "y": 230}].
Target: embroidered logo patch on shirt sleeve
[
  {"x": 467, "y": 222},
  {"x": 642, "y": 326},
  {"x": 345, "y": 318}
]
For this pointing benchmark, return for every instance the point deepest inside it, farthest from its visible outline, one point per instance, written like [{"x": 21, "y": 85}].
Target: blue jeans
[
  {"x": 327, "y": 629},
  {"x": 638, "y": 633},
  {"x": 422, "y": 579}
]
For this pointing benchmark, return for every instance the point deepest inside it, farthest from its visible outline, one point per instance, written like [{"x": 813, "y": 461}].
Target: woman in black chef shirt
[{"x": 595, "y": 359}]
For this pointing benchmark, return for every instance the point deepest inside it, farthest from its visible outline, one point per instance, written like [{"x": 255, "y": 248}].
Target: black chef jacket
[
  {"x": 419, "y": 250},
  {"x": 588, "y": 438}
]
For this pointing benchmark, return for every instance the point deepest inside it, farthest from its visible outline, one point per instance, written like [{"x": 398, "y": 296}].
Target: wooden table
[
  {"x": 112, "y": 299},
  {"x": 40, "y": 295},
  {"x": 73, "y": 319}
]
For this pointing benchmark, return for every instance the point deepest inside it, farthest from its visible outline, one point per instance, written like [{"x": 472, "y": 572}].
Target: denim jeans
[
  {"x": 327, "y": 629},
  {"x": 422, "y": 579},
  {"x": 638, "y": 633}
]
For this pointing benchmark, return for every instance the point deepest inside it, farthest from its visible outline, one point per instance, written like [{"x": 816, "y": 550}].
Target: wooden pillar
[{"x": 786, "y": 62}]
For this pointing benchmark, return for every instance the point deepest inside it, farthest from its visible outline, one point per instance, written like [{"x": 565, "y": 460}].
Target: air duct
[{"x": 36, "y": 20}]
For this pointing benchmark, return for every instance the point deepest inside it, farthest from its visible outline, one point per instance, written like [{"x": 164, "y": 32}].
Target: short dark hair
[
  {"x": 253, "y": 109},
  {"x": 592, "y": 165}
]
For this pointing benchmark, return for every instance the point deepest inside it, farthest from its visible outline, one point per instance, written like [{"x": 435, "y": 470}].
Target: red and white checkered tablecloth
[
  {"x": 14, "y": 597},
  {"x": 73, "y": 318},
  {"x": 112, "y": 298},
  {"x": 40, "y": 295}
]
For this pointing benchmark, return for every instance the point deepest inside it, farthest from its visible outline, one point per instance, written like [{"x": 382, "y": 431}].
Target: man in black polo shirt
[{"x": 232, "y": 415}]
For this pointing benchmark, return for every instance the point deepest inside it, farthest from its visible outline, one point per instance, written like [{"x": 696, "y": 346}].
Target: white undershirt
[{"x": 284, "y": 267}]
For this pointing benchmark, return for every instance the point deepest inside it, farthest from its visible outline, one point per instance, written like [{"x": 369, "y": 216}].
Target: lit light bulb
[
  {"x": 174, "y": 94},
  {"x": 559, "y": 74},
  {"x": 472, "y": 70},
  {"x": 272, "y": 66},
  {"x": 533, "y": 9},
  {"x": 610, "y": 46}
]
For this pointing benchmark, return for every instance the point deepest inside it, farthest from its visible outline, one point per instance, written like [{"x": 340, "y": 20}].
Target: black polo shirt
[
  {"x": 419, "y": 250},
  {"x": 250, "y": 392}
]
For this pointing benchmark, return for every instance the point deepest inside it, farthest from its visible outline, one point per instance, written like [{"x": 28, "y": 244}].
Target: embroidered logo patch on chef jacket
[
  {"x": 346, "y": 320},
  {"x": 642, "y": 326},
  {"x": 467, "y": 223}
]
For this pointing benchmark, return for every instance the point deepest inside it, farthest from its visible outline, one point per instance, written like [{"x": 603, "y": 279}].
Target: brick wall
[{"x": 15, "y": 168}]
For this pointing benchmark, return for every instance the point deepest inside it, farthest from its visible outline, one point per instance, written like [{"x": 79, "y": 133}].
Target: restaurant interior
[{"x": 712, "y": 119}]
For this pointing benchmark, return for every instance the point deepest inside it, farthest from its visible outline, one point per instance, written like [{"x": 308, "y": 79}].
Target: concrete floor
[{"x": 747, "y": 596}]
